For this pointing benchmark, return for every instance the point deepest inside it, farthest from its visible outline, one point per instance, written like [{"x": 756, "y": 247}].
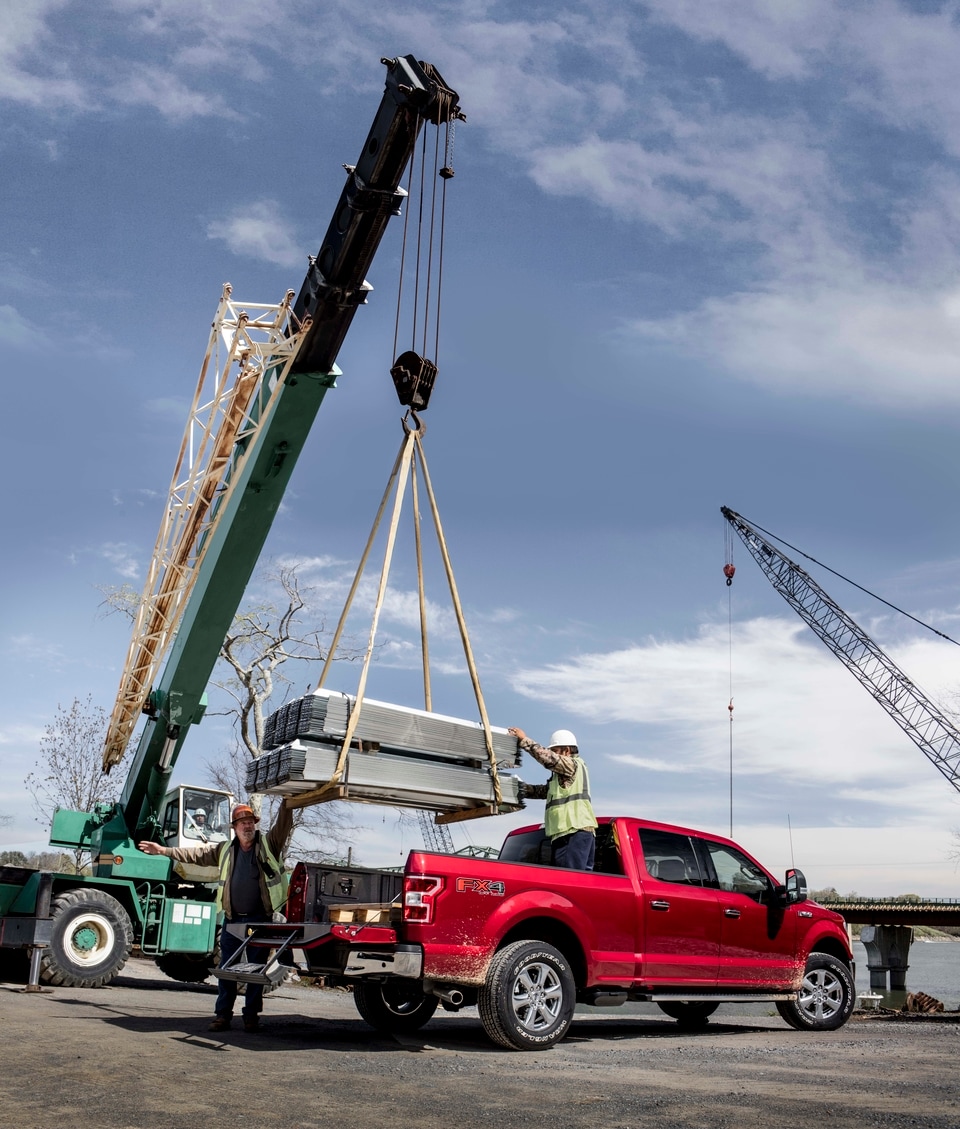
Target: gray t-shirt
[{"x": 245, "y": 894}]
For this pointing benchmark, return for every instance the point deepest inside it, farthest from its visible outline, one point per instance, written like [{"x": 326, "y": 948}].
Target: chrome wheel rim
[
  {"x": 537, "y": 997},
  {"x": 821, "y": 995}
]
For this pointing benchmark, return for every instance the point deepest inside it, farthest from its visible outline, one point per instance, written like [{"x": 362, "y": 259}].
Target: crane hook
[{"x": 728, "y": 571}]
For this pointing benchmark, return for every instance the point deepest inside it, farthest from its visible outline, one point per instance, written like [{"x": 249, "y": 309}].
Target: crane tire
[
  {"x": 188, "y": 968},
  {"x": 90, "y": 940}
]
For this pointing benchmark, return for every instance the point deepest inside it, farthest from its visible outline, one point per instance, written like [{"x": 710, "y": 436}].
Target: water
[{"x": 934, "y": 968}]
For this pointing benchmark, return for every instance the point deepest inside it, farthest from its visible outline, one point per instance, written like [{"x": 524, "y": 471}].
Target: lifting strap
[{"x": 410, "y": 454}]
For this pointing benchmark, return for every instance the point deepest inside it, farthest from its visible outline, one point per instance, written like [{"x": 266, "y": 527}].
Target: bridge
[{"x": 887, "y": 931}]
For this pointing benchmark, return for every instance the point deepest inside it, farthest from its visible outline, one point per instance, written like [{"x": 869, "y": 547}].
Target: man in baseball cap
[
  {"x": 252, "y": 887},
  {"x": 568, "y": 819}
]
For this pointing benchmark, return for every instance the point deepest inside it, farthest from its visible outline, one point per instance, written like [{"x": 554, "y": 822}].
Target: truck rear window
[{"x": 534, "y": 847}]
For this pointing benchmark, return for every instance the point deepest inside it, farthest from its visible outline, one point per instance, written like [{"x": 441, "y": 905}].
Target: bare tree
[
  {"x": 267, "y": 641},
  {"x": 262, "y": 640},
  {"x": 69, "y": 770}
]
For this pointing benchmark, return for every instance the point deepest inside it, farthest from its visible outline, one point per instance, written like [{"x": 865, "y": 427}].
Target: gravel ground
[{"x": 138, "y": 1054}]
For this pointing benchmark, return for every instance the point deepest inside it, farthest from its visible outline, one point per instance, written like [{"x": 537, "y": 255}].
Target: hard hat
[
  {"x": 243, "y": 811},
  {"x": 199, "y": 812},
  {"x": 562, "y": 737}
]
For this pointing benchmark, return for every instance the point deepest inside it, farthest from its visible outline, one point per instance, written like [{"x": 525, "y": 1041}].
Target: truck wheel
[
  {"x": 189, "y": 968},
  {"x": 689, "y": 1015},
  {"x": 394, "y": 1005},
  {"x": 90, "y": 941},
  {"x": 826, "y": 996},
  {"x": 527, "y": 1000}
]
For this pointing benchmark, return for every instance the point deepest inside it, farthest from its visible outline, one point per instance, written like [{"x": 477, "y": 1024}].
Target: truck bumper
[
  {"x": 403, "y": 960},
  {"x": 349, "y": 950}
]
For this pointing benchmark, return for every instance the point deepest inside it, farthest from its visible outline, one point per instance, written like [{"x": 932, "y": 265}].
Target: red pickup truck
[{"x": 678, "y": 917}]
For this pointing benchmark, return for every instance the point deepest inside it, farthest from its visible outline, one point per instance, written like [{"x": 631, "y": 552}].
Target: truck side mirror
[{"x": 794, "y": 887}]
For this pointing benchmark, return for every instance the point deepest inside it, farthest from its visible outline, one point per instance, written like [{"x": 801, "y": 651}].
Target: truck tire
[
  {"x": 394, "y": 1005},
  {"x": 826, "y": 996},
  {"x": 189, "y": 968},
  {"x": 690, "y": 1015},
  {"x": 90, "y": 941},
  {"x": 526, "y": 1002}
]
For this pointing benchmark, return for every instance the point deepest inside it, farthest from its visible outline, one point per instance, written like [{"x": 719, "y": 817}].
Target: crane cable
[
  {"x": 410, "y": 455},
  {"x": 860, "y": 587},
  {"x": 411, "y": 452},
  {"x": 729, "y": 569}
]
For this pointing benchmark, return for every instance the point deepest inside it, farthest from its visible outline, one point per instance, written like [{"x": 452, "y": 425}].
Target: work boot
[
  {"x": 221, "y": 1023},
  {"x": 251, "y": 1025}
]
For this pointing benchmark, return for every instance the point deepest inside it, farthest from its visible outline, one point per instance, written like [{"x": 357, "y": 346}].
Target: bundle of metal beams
[
  {"x": 398, "y": 755},
  {"x": 324, "y": 715},
  {"x": 379, "y": 777}
]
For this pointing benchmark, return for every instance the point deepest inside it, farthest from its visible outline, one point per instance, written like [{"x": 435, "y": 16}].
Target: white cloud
[
  {"x": 27, "y": 48},
  {"x": 21, "y": 734},
  {"x": 779, "y": 40},
  {"x": 258, "y": 230},
  {"x": 30, "y": 648},
  {"x": 121, "y": 558},
  {"x": 15, "y": 329},
  {"x": 168, "y": 94},
  {"x": 798, "y": 714},
  {"x": 878, "y": 343}
]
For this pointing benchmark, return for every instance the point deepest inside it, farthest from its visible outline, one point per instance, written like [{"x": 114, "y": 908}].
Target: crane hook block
[
  {"x": 728, "y": 571},
  {"x": 413, "y": 378}
]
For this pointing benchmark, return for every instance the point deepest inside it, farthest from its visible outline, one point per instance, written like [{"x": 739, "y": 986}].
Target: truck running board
[{"x": 713, "y": 997}]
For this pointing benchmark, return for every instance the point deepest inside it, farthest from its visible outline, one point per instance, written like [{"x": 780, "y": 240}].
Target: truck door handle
[
  {"x": 659, "y": 905},
  {"x": 731, "y": 912}
]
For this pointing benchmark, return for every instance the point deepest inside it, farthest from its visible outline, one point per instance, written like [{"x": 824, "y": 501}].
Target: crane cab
[{"x": 193, "y": 817}]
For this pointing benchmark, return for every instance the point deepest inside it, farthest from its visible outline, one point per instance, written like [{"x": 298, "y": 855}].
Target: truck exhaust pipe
[{"x": 451, "y": 996}]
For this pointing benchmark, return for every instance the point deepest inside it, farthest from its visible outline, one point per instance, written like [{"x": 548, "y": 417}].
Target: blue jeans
[
  {"x": 575, "y": 851},
  {"x": 227, "y": 993}
]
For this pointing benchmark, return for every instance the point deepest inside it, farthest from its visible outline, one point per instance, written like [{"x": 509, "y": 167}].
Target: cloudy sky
[{"x": 697, "y": 254}]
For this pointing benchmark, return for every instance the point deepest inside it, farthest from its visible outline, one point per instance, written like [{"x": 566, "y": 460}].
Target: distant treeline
[{"x": 39, "y": 860}]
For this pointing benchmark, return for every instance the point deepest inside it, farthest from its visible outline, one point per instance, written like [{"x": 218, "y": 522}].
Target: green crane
[{"x": 265, "y": 374}]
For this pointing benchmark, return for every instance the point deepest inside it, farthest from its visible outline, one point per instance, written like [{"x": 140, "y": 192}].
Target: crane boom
[
  {"x": 927, "y": 726},
  {"x": 254, "y": 447}
]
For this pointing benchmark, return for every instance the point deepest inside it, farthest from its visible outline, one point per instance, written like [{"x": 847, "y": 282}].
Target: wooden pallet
[{"x": 368, "y": 913}]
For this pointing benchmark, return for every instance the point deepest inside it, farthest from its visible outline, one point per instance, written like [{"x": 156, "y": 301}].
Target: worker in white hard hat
[{"x": 568, "y": 820}]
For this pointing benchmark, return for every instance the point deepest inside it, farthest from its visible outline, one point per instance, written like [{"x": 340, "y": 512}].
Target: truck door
[
  {"x": 680, "y": 935},
  {"x": 757, "y": 934}
]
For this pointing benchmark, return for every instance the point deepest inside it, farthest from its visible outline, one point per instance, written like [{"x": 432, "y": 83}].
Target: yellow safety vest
[
  {"x": 569, "y": 809},
  {"x": 272, "y": 872}
]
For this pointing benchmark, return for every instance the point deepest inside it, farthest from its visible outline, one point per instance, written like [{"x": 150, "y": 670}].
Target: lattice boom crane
[{"x": 927, "y": 726}]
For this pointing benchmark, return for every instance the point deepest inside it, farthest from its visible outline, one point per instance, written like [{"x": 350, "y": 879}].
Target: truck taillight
[
  {"x": 297, "y": 894},
  {"x": 419, "y": 892}
]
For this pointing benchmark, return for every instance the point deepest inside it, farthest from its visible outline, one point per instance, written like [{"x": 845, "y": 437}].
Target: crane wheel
[{"x": 90, "y": 941}]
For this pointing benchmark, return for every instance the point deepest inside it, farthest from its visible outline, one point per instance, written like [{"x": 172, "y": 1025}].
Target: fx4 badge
[{"x": 481, "y": 886}]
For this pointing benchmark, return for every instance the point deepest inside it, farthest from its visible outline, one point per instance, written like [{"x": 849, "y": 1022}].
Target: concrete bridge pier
[{"x": 888, "y": 947}]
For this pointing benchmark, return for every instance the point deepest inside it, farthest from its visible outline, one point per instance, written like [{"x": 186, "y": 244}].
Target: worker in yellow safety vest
[
  {"x": 252, "y": 887},
  {"x": 569, "y": 820}
]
